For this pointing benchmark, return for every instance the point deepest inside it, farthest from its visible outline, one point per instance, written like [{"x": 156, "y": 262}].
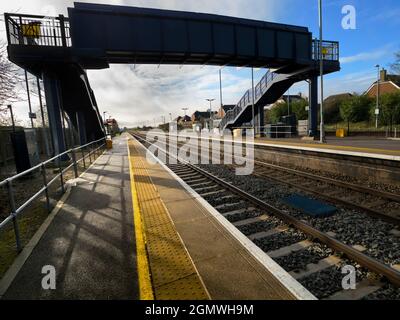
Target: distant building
[
  {"x": 200, "y": 116},
  {"x": 112, "y": 126},
  {"x": 184, "y": 121},
  {"x": 292, "y": 97},
  {"x": 388, "y": 83},
  {"x": 286, "y": 98},
  {"x": 224, "y": 109}
]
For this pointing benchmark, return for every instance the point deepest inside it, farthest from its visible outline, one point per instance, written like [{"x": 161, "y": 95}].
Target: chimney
[{"x": 383, "y": 75}]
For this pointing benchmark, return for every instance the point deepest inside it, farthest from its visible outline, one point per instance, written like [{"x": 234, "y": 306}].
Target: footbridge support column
[
  {"x": 259, "y": 121},
  {"x": 313, "y": 108},
  {"x": 80, "y": 124},
  {"x": 54, "y": 109}
]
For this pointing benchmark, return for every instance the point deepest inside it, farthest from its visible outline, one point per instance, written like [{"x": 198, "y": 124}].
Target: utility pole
[{"x": 321, "y": 71}]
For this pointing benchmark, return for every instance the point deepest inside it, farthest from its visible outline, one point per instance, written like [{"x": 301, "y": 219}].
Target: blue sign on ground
[{"x": 310, "y": 206}]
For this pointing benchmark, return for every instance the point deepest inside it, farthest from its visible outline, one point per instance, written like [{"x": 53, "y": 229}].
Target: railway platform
[
  {"x": 371, "y": 147},
  {"x": 130, "y": 229}
]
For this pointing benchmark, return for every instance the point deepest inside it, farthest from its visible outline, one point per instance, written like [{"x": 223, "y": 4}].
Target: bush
[{"x": 281, "y": 109}]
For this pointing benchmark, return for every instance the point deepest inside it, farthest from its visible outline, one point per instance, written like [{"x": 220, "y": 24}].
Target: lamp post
[
  {"x": 184, "y": 110},
  {"x": 104, "y": 117},
  {"x": 321, "y": 73},
  {"x": 377, "y": 96},
  {"x": 220, "y": 88},
  {"x": 252, "y": 102},
  {"x": 210, "y": 100}
]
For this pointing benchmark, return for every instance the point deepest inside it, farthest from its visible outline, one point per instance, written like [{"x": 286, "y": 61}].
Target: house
[
  {"x": 112, "y": 126},
  {"x": 285, "y": 98},
  {"x": 200, "y": 116},
  {"x": 292, "y": 98},
  {"x": 184, "y": 121},
  {"x": 388, "y": 83},
  {"x": 224, "y": 109}
]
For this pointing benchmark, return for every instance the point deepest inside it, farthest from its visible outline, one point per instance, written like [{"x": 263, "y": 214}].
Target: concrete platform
[
  {"x": 367, "y": 146},
  {"x": 228, "y": 269},
  {"x": 90, "y": 242}
]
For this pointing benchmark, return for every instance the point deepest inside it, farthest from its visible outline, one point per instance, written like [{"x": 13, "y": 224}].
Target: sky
[{"x": 143, "y": 94}]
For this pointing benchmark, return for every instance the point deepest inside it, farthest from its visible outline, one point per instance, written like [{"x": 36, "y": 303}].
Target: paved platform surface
[
  {"x": 173, "y": 275},
  {"x": 90, "y": 242},
  {"x": 371, "y": 145},
  {"x": 227, "y": 269}
]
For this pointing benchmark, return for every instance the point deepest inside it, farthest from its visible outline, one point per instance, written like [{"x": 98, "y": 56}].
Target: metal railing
[
  {"x": 260, "y": 88},
  {"x": 93, "y": 147},
  {"x": 36, "y": 30},
  {"x": 330, "y": 50}
]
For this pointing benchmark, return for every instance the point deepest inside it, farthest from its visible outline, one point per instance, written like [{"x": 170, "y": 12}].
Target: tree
[
  {"x": 281, "y": 109},
  {"x": 396, "y": 64},
  {"x": 356, "y": 109},
  {"x": 346, "y": 111},
  {"x": 390, "y": 109},
  {"x": 299, "y": 109},
  {"x": 332, "y": 107},
  {"x": 9, "y": 78}
]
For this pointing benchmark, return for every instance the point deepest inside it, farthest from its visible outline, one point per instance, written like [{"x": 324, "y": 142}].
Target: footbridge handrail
[{"x": 35, "y": 30}]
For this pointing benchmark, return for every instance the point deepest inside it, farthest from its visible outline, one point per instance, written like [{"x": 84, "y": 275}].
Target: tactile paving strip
[{"x": 172, "y": 271}]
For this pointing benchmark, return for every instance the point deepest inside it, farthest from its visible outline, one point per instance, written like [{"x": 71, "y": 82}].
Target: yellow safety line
[{"x": 143, "y": 269}]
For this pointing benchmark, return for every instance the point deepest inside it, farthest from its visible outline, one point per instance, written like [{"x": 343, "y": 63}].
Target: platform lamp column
[
  {"x": 220, "y": 88},
  {"x": 252, "y": 102},
  {"x": 321, "y": 67},
  {"x": 104, "y": 121},
  {"x": 211, "y": 117},
  {"x": 377, "y": 96}
]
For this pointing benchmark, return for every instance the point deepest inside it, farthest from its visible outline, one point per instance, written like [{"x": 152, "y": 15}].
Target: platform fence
[{"x": 72, "y": 159}]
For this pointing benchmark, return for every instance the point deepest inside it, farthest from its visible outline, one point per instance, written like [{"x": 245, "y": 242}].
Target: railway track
[
  {"x": 313, "y": 257},
  {"x": 371, "y": 201},
  {"x": 376, "y": 203}
]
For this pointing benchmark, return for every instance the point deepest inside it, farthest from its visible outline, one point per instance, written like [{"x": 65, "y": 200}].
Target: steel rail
[
  {"x": 370, "y": 263},
  {"x": 371, "y": 212},
  {"x": 374, "y": 192}
]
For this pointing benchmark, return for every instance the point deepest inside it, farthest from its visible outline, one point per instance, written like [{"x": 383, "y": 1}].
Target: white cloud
[{"x": 368, "y": 56}]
